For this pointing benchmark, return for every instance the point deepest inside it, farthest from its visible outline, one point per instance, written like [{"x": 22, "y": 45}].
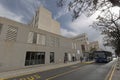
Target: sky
[{"x": 24, "y": 10}]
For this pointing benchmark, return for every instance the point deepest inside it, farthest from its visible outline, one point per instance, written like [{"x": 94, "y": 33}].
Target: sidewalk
[
  {"x": 116, "y": 72},
  {"x": 20, "y": 72}
]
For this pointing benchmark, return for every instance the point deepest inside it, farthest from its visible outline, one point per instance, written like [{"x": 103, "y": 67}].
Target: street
[{"x": 94, "y": 71}]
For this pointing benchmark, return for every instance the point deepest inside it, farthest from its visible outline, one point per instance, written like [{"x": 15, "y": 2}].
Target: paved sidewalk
[
  {"x": 20, "y": 72},
  {"x": 116, "y": 74}
]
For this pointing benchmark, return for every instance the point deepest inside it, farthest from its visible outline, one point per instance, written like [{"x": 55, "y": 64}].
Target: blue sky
[{"x": 24, "y": 10}]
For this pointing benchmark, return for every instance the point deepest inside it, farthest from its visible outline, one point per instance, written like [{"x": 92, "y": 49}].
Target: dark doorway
[
  {"x": 52, "y": 57},
  {"x": 83, "y": 48},
  {"x": 65, "y": 57}
]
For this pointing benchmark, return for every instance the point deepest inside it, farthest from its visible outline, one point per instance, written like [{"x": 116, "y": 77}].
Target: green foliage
[{"x": 93, "y": 49}]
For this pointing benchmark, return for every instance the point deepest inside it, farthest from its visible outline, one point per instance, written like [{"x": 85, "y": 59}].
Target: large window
[
  {"x": 11, "y": 33},
  {"x": 41, "y": 39},
  {"x": 52, "y": 57},
  {"x": 1, "y": 27},
  {"x": 52, "y": 41},
  {"x": 34, "y": 58},
  {"x": 30, "y": 37}
]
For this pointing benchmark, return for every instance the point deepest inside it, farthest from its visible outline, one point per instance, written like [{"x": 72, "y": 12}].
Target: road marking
[
  {"x": 36, "y": 76},
  {"x": 32, "y": 77},
  {"x": 110, "y": 78},
  {"x": 110, "y": 73},
  {"x": 61, "y": 74},
  {"x": 89, "y": 62}
]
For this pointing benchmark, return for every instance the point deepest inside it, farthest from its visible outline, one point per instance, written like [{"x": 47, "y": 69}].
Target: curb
[
  {"x": 89, "y": 62},
  {"x": 28, "y": 73}
]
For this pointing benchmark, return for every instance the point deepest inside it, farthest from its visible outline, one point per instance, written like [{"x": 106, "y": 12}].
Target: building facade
[
  {"x": 94, "y": 46},
  {"x": 83, "y": 46},
  {"x": 23, "y": 46},
  {"x": 43, "y": 20}
]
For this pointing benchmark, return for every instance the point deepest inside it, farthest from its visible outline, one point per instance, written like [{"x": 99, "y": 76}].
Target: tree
[
  {"x": 92, "y": 49},
  {"x": 88, "y": 7},
  {"x": 109, "y": 25},
  {"x": 91, "y": 54}
]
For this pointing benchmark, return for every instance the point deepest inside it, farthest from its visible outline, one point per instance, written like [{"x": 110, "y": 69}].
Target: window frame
[{"x": 36, "y": 58}]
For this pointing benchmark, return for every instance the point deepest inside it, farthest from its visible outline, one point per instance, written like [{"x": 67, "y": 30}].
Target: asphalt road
[{"x": 95, "y": 71}]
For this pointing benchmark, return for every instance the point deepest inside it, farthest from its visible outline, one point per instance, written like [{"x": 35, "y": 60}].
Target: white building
[{"x": 23, "y": 46}]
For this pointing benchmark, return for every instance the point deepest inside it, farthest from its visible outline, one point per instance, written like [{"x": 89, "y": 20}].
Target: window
[
  {"x": 30, "y": 37},
  {"x": 75, "y": 45},
  {"x": 41, "y": 39},
  {"x": 52, "y": 41},
  {"x": 51, "y": 57},
  {"x": 35, "y": 38},
  {"x": 1, "y": 28},
  {"x": 34, "y": 58},
  {"x": 11, "y": 33},
  {"x": 56, "y": 42}
]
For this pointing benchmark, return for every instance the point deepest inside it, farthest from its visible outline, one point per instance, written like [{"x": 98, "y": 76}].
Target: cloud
[
  {"x": 67, "y": 33},
  {"x": 23, "y": 10},
  {"x": 31, "y": 5},
  {"x": 8, "y": 14},
  {"x": 100, "y": 40},
  {"x": 61, "y": 13},
  {"x": 81, "y": 25}
]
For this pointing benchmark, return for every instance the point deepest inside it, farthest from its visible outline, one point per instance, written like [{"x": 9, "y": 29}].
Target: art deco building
[{"x": 23, "y": 46}]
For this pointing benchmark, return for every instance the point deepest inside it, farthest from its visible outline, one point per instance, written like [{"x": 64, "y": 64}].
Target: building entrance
[{"x": 34, "y": 58}]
